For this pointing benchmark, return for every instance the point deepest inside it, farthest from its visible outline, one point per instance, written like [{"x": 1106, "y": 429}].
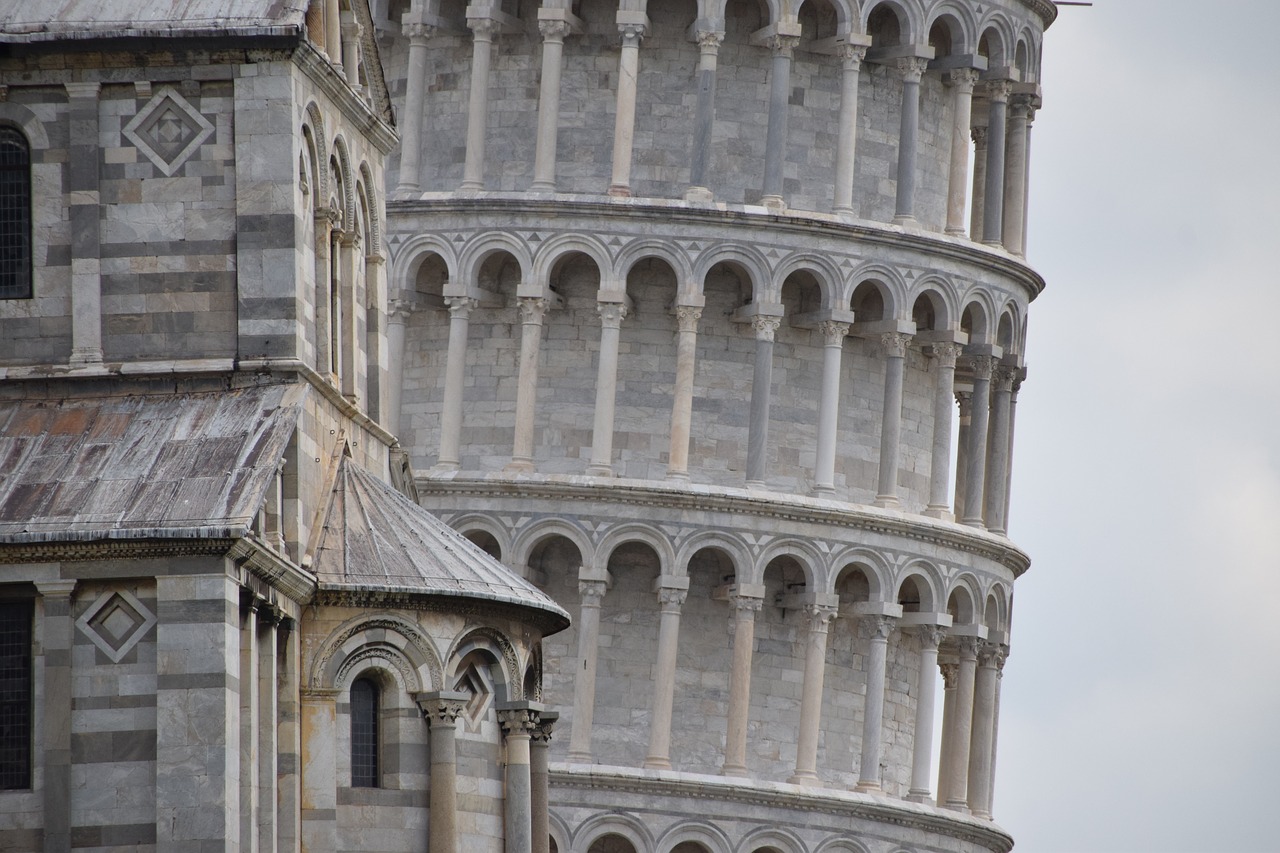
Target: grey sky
[{"x": 1141, "y": 702}]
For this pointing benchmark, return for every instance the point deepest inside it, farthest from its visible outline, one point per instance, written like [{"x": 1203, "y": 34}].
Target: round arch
[
  {"x": 815, "y": 575},
  {"x": 961, "y": 26},
  {"x": 408, "y": 257},
  {"x": 699, "y": 832},
  {"x": 635, "y": 532},
  {"x": 748, "y": 258},
  {"x": 737, "y": 550},
  {"x": 782, "y": 840},
  {"x": 473, "y": 522},
  {"x": 824, "y": 271},
  {"x": 928, "y": 582},
  {"x": 364, "y": 632},
  {"x": 613, "y": 823},
  {"x": 509, "y": 674},
  {"x": 639, "y": 250},
  {"x": 943, "y": 298},
  {"x": 551, "y": 251},
  {"x": 887, "y": 280},
  {"x": 527, "y": 540},
  {"x": 478, "y": 250},
  {"x": 964, "y": 589},
  {"x": 908, "y": 15}
]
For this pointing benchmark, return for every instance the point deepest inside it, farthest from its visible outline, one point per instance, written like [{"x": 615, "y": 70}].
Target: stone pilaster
[{"x": 56, "y": 640}]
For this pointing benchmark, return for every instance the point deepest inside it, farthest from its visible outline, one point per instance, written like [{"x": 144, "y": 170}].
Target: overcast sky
[{"x": 1141, "y": 701}]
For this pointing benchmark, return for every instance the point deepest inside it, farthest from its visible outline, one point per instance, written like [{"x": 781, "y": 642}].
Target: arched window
[
  {"x": 15, "y": 215},
  {"x": 364, "y": 734}
]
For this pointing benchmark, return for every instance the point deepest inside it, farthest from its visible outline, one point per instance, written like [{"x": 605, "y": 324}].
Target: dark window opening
[
  {"x": 15, "y": 695},
  {"x": 364, "y": 734},
  {"x": 15, "y": 215}
]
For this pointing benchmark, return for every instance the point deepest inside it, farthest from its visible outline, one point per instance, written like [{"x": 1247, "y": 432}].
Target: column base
[
  {"x": 756, "y": 484},
  {"x": 774, "y": 203},
  {"x": 518, "y": 466},
  {"x": 579, "y": 758},
  {"x": 981, "y": 815},
  {"x": 444, "y": 468},
  {"x": 956, "y": 232},
  {"x": 619, "y": 191},
  {"x": 995, "y": 244},
  {"x": 924, "y": 797},
  {"x": 654, "y": 763},
  {"x": 823, "y": 491},
  {"x": 973, "y": 522},
  {"x": 542, "y": 187},
  {"x": 887, "y": 502},
  {"x": 85, "y": 356},
  {"x": 940, "y": 512},
  {"x": 471, "y": 186},
  {"x": 408, "y": 189},
  {"x": 956, "y": 806},
  {"x": 735, "y": 772},
  {"x": 678, "y": 476},
  {"x": 595, "y": 470},
  {"x": 806, "y": 778},
  {"x": 868, "y": 788},
  {"x": 906, "y": 220}
]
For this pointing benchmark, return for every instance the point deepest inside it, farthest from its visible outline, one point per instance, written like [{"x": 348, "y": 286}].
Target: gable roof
[
  {"x": 52, "y": 20},
  {"x": 188, "y": 466},
  {"x": 376, "y": 539}
]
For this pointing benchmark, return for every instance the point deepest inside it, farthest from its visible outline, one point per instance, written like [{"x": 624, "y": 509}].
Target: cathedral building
[{"x": 565, "y": 426}]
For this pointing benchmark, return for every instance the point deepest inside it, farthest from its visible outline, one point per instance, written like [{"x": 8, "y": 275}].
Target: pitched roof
[
  {"x": 375, "y": 538},
  {"x": 49, "y": 20},
  {"x": 143, "y": 466}
]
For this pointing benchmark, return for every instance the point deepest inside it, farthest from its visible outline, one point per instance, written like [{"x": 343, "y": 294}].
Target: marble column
[
  {"x": 962, "y": 727},
  {"x": 249, "y": 731},
  {"x": 930, "y": 637},
  {"x": 268, "y": 721},
  {"x": 824, "y": 474},
  {"x": 349, "y": 350},
  {"x": 398, "y": 311},
  {"x": 624, "y": 124},
  {"x": 687, "y": 317},
  {"x": 611, "y": 316},
  {"x": 995, "y": 731},
  {"x": 912, "y": 69},
  {"x": 532, "y": 311},
  {"x": 540, "y": 780},
  {"x": 289, "y": 736},
  {"x": 745, "y": 608},
  {"x": 351, "y": 32},
  {"x": 976, "y": 457},
  {"x": 333, "y": 31},
  {"x": 326, "y": 220},
  {"x": 851, "y": 56},
  {"x": 766, "y": 328},
  {"x": 950, "y": 672},
  {"x": 704, "y": 115},
  {"x": 964, "y": 400},
  {"x": 84, "y": 213},
  {"x": 775, "y": 147},
  {"x": 977, "y": 209},
  {"x": 998, "y": 464},
  {"x": 442, "y": 710},
  {"x": 57, "y": 635},
  {"x": 1013, "y": 422},
  {"x": 670, "y": 600},
  {"x": 455, "y": 368},
  {"x": 544, "y": 158},
  {"x": 993, "y": 195},
  {"x": 984, "y": 708},
  {"x": 1026, "y": 177},
  {"x": 415, "y": 97},
  {"x": 815, "y": 664},
  {"x": 517, "y": 728},
  {"x": 894, "y": 345},
  {"x": 1015, "y": 181},
  {"x": 873, "y": 703},
  {"x": 584, "y": 685},
  {"x": 962, "y": 81},
  {"x": 483, "y": 30},
  {"x": 944, "y": 359}
]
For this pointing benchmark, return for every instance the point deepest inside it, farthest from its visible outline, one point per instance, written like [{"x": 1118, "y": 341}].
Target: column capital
[
  {"x": 946, "y": 353},
  {"x": 1021, "y": 105},
  {"x": 833, "y": 333},
  {"x": 931, "y": 636},
  {"x": 687, "y": 317},
  {"x": 851, "y": 56},
  {"x": 968, "y": 647},
  {"x": 592, "y": 590},
  {"x": 782, "y": 45},
  {"x": 950, "y": 674},
  {"x": 483, "y": 29},
  {"x": 77, "y": 91},
  {"x": 894, "y": 344},
  {"x": 991, "y": 656},
  {"x": 461, "y": 306},
  {"x": 632, "y": 33},
  {"x": 518, "y": 721},
  {"x": 545, "y": 727},
  {"x": 51, "y": 589},
  {"x": 554, "y": 30},
  {"x": 964, "y": 80},
  {"x": 709, "y": 41},
  {"x": 743, "y": 604},
  {"x": 328, "y": 217},
  {"x": 351, "y": 28},
  {"x": 765, "y": 326},
  {"x": 417, "y": 32},
  {"x": 532, "y": 309},
  {"x": 964, "y": 399},
  {"x": 998, "y": 91},
  {"x": 912, "y": 68},
  {"x": 442, "y": 707},
  {"x": 1003, "y": 376},
  {"x": 819, "y": 616},
  {"x": 879, "y": 626},
  {"x": 611, "y": 314},
  {"x": 671, "y": 599},
  {"x": 980, "y": 366},
  {"x": 979, "y": 134},
  {"x": 399, "y": 309}
]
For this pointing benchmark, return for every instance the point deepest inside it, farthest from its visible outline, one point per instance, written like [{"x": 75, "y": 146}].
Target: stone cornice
[
  {"x": 275, "y": 569},
  {"x": 699, "y": 217},
  {"x": 319, "y": 70},
  {"x": 1047, "y": 11},
  {"x": 531, "y": 488},
  {"x": 65, "y": 551},
  {"x": 688, "y": 786},
  {"x": 381, "y": 598}
]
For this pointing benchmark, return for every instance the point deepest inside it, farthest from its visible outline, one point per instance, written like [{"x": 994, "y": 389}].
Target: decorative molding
[{"x": 168, "y": 130}]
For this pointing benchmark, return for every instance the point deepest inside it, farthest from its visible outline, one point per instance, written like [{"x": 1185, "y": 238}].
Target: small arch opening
[
  {"x": 611, "y": 843},
  {"x": 885, "y": 27},
  {"x": 485, "y": 541},
  {"x": 366, "y": 699},
  {"x": 868, "y": 302}
]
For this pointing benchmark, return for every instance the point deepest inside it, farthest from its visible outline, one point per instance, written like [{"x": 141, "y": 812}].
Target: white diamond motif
[
  {"x": 116, "y": 622},
  {"x": 168, "y": 130}
]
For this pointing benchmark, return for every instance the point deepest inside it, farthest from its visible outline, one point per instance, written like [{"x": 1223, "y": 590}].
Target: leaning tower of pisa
[{"x": 709, "y": 321}]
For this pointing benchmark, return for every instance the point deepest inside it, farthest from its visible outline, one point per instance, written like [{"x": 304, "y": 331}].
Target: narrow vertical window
[
  {"x": 364, "y": 734},
  {"x": 15, "y": 695},
  {"x": 15, "y": 215}
]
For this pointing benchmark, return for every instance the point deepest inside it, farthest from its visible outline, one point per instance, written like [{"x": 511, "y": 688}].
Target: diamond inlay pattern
[
  {"x": 116, "y": 622},
  {"x": 168, "y": 130}
]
